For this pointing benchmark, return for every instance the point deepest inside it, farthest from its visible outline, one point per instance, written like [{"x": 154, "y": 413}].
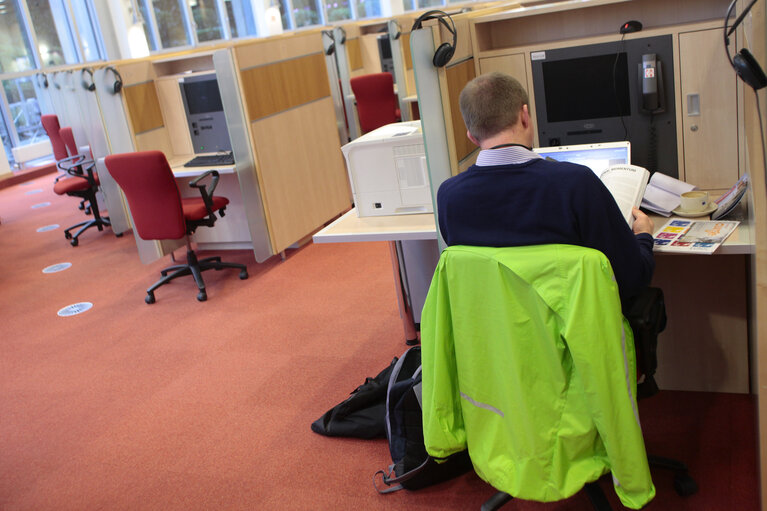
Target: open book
[
  {"x": 663, "y": 194},
  {"x": 627, "y": 183}
]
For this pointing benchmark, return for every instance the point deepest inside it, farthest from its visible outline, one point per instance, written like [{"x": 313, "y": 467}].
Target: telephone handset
[{"x": 651, "y": 81}]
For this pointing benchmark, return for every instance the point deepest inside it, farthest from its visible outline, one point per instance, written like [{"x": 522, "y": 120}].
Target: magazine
[
  {"x": 693, "y": 236},
  {"x": 729, "y": 200},
  {"x": 627, "y": 184}
]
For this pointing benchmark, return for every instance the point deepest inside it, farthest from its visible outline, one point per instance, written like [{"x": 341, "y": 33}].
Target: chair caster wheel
[
  {"x": 684, "y": 485},
  {"x": 87, "y": 211},
  {"x": 149, "y": 298},
  {"x": 202, "y": 296},
  {"x": 67, "y": 235},
  {"x": 74, "y": 242},
  {"x": 243, "y": 274},
  {"x": 119, "y": 235}
]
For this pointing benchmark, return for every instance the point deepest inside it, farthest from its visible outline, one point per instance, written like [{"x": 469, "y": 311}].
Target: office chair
[
  {"x": 80, "y": 179},
  {"x": 159, "y": 212},
  {"x": 376, "y": 101},
  {"x": 529, "y": 364}
]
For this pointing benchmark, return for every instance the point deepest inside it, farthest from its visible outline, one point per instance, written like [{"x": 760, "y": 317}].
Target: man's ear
[
  {"x": 471, "y": 137},
  {"x": 524, "y": 116}
]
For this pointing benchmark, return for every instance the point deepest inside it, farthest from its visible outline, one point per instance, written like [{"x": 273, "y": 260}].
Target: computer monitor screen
[
  {"x": 579, "y": 88},
  {"x": 597, "y": 157},
  {"x": 203, "y": 97}
]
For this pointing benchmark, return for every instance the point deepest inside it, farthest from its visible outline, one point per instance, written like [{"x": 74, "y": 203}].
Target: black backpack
[
  {"x": 412, "y": 467},
  {"x": 362, "y": 414}
]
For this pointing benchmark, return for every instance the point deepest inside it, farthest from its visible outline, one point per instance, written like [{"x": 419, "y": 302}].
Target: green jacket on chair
[{"x": 529, "y": 363}]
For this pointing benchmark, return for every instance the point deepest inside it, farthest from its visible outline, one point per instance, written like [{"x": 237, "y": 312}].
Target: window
[
  {"x": 368, "y": 8},
  {"x": 206, "y": 20},
  {"x": 337, "y": 10},
  {"x": 54, "y": 37},
  {"x": 88, "y": 29},
  {"x": 16, "y": 52},
  {"x": 24, "y": 109},
  {"x": 305, "y": 13},
  {"x": 170, "y": 21},
  {"x": 242, "y": 23}
]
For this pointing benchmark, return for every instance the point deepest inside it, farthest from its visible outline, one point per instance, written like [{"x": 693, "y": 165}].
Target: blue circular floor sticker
[
  {"x": 47, "y": 228},
  {"x": 57, "y": 267}
]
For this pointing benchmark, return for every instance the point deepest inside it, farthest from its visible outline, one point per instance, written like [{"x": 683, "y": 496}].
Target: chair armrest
[
  {"x": 79, "y": 166},
  {"x": 204, "y": 191}
]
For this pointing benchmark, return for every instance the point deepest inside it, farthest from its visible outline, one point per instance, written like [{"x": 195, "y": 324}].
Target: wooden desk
[{"x": 231, "y": 231}]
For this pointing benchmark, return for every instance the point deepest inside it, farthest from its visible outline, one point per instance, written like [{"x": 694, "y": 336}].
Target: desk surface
[
  {"x": 350, "y": 227},
  {"x": 177, "y": 166}
]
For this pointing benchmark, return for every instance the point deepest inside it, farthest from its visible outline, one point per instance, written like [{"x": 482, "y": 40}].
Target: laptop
[{"x": 597, "y": 157}]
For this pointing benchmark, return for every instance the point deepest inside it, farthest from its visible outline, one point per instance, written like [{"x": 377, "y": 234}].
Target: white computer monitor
[{"x": 598, "y": 157}]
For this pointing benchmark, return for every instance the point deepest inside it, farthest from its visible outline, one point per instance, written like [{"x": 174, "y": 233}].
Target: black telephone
[{"x": 653, "y": 100}]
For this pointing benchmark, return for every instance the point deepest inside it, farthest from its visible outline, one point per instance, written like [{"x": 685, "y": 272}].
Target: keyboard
[{"x": 211, "y": 160}]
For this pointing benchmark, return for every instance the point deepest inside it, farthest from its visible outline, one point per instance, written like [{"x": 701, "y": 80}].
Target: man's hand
[{"x": 642, "y": 222}]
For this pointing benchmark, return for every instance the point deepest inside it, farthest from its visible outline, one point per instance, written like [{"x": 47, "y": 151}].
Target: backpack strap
[{"x": 389, "y": 480}]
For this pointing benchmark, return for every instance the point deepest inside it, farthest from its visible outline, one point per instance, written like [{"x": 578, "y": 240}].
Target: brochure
[{"x": 693, "y": 236}]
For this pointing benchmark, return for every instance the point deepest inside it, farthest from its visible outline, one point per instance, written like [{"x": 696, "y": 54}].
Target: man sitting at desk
[{"x": 511, "y": 196}]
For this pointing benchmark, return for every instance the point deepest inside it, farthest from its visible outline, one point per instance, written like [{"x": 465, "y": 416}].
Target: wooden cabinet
[{"x": 709, "y": 110}]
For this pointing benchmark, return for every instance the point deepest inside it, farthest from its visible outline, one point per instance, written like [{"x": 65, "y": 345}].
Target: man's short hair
[{"x": 491, "y": 103}]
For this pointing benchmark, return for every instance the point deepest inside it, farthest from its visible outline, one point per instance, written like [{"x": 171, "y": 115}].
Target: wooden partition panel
[
  {"x": 144, "y": 107},
  {"x": 272, "y": 88},
  {"x": 457, "y": 77},
  {"x": 354, "y": 53},
  {"x": 299, "y": 164}
]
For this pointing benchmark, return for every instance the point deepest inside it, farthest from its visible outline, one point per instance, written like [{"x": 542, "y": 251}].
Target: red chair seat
[
  {"x": 71, "y": 184},
  {"x": 194, "y": 207}
]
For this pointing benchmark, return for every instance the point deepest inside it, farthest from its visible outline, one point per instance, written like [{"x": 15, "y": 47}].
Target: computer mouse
[{"x": 631, "y": 26}]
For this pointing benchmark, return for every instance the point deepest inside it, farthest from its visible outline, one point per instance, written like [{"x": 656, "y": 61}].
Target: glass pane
[
  {"x": 170, "y": 23},
  {"x": 409, "y": 5},
  {"x": 54, "y": 39},
  {"x": 338, "y": 10},
  {"x": 305, "y": 13},
  {"x": 368, "y": 8},
  {"x": 146, "y": 20},
  {"x": 87, "y": 28},
  {"x": 15, "y": 49},
  {"x": 286, "y": 22},
  {"x": 423, "y": 4},
  {"x": 25, "y": 111},
  {"x": 241, "y": 20},
  {"x": 206, "y": 19}
]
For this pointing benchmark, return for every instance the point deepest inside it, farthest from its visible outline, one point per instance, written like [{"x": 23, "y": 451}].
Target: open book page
[
  {"x": 627, "y": 184},
  {"x": 693, "y": 236},
  {"x": 663, "y": 192}
]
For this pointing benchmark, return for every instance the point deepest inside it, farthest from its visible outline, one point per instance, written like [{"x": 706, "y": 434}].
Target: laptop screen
[{"x": 597, "y": 157}]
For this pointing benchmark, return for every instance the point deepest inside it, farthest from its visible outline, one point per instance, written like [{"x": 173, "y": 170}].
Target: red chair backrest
[
  {"x": 53, "y": 130},
  {"x": 376, "y": 101},
  {"x": 153, "y": 198},
  {"x": 69, "y": 140}
]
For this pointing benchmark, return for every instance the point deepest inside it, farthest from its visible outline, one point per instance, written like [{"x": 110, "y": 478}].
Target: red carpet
[{"x": 184, "y": 405}]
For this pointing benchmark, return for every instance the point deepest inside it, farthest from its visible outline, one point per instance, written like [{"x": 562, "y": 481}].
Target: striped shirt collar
[{"x": 505, "y": 156}]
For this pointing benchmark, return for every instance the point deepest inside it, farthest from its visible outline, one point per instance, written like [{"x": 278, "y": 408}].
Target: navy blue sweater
[{"x": 539, "y": 202}]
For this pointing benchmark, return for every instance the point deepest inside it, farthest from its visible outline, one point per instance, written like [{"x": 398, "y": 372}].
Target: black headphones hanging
[
  {"x": 744, "y": 63},
  {"x": 332, "y": 47},
  {"x": 87, "y": 86},
  {"x": 445, "y": 51},
  {"x": 118, "y": 85},
  {"x": 44, "y": 82}
]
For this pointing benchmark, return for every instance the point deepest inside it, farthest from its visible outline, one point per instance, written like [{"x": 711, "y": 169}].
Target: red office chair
[
  {"x": 376, "y": 101},
  {"x": 80, "y": 179},
  {"x": 159, "y": 212}
]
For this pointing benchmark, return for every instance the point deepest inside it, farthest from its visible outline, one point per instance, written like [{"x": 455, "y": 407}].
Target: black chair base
[
  {"x": 98, "y": 222},
  {"x": 593, "y": 490},
  {"x": 195, "y": 268}
]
